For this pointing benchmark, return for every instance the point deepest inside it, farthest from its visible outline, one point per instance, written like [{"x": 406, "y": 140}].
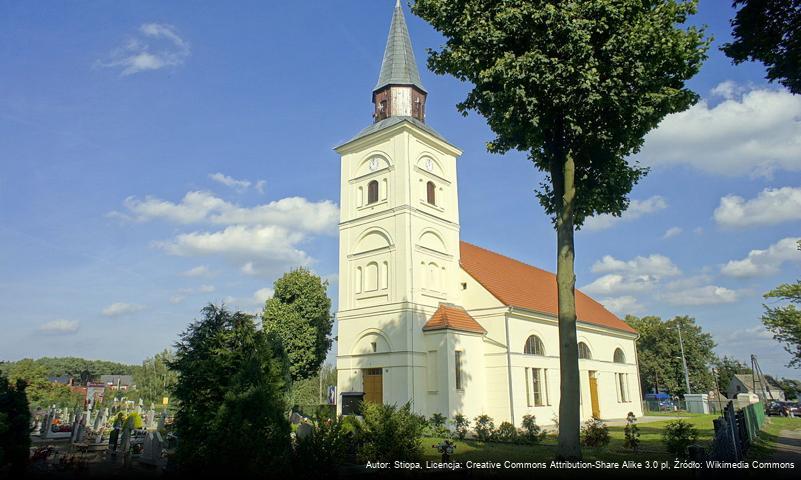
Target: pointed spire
[{"x": 399, "y": 66}]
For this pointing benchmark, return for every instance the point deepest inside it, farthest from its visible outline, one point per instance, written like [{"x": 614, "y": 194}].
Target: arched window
[
  {"x": 584, "y": 351},
  {"x": 371, "y": 277},
  {"x": 431, "y": 193},
  {"x": 620, "y": 357},
  {"x": 534, "y": 346},
  {"x": 372, "y": 192}
]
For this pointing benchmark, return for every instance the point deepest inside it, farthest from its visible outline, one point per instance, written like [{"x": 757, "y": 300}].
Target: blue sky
[{"x": 159, "y": 155}]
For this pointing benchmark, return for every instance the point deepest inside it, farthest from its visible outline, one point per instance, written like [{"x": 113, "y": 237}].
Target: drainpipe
[{"x": 509, "y": 369}]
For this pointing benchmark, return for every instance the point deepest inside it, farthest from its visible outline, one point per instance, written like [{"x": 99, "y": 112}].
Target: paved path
[{"x": 788, "y": 447}]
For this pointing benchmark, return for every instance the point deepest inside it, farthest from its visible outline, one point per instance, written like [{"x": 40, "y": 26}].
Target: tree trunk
[{"x": 569, "y": 414}]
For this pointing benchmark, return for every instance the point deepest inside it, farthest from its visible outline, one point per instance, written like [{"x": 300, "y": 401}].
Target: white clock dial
[
  {"x": 373, "y": 164},
  {"x": 429, "y": 164}
]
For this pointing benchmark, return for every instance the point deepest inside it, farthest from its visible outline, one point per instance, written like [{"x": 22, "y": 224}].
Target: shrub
[
  {"x": 555, "y": 420},
  {"x": 460, "y": 426},
  {"x": 321, "y": 451},
  {"x": 594, "y": 433},
  {"x": 437, "y": 424},
  {"x": 677, "y": 436},
  {"x": 531, "y": 431},
  {"x": 389, "y": 433},
  {"x": 506, "y": 433},
  {"x": 485, "y": 426},
  {"x": 15, "y": 419},
  {"x": 632, "y": 433},
  {"x": 133, "y": 421}
]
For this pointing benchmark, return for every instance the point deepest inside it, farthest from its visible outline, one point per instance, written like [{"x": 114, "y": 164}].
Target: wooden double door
[
  {"x": 373, "y": 381},
  {"x": 596, "y": 407}
]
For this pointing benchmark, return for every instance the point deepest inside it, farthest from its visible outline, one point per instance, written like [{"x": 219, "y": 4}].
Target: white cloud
[
  {"x": 707, "y": 295},
  {"x": 239, "y": 242},
  {"x": 199, "y": 271},
  {"x": 206, "y": 288},
  {"x": 614, "y": 283},
  {"x": 203, "y": 207},
  {"x": 672, "y": 232},
  {"x": 625, "y": 305},
  {"x": 764, "y": 262},
  {"x": 770, "y": 207},
  {"x": 262, "y": 295},
  {"x": 156, "y": 46},
  {"x": 752, "y": 133},
  {"x": 637, "y": 275},
  {"x": 238, "y": 185},
  {"x": 177, "y": 298},
  {"x": 728, "y": 90},
  {"x": 59, "y": 327},
  {"x": 637, "y": 209},
  {"x": 656, "y": 264},
  {"x": 119, "y": 309}
]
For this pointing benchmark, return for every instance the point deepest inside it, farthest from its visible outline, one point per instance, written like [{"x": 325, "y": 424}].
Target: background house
[{"x": 744, "y": 383}]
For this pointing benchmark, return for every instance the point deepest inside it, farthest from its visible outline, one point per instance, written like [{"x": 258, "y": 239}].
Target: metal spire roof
[{"x": 399, "y": 66}]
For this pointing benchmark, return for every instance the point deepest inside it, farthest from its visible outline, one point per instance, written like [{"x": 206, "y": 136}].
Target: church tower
[{"x": 398, "y": 242}]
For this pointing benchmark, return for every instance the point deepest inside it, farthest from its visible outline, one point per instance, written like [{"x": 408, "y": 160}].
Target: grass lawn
[
  {"x": 766, "y": 443},
  {"x": 651, "y": 447}
]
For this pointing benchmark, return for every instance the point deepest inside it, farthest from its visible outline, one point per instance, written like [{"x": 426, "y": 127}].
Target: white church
[{"x": 427, "y": 318}]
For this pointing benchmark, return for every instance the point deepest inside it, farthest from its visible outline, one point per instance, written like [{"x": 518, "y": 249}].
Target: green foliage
[
  {"x": 767, "y": 31},
  {"x": 305, "y": 396},
  {"x": 506, "y": 433},
  {"x": 437, "y": 424},
  {"x": 389, "y": 433},
  {"x": 595, "y": 433},
  {"x": 659, "y": 354},
  {"x": 460, "y": 426},
  {"x": 15, "y": 419},
  {"x": 133, "y": 421},
  {"x": 677, "y": 436},
  {"x": 60, "y": 366},
  {"x": 631, "y": 433},
  {"x": 155, "y": 380},
  {"x": 299, "y": 314},
  {"x": 231, "y": 386},
  {"x": 484, "y": 427},
  {"x": 784, "y": 321},
  {"x": 532, "y": 432},
  {"x": 585, "y": 78},
  {"x": 321, "y": 452},
  {"x": 790, "y": 387}
]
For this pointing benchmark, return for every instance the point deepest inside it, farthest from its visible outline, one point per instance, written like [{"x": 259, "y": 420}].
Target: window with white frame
[
  {"x": 458, "y": 365},
  {"x": 623, "y": 387}
]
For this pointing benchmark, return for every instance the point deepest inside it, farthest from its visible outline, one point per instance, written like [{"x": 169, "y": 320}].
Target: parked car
[
  {"x": 779, "y": 409},
  {"x": 795, "y": 408}
]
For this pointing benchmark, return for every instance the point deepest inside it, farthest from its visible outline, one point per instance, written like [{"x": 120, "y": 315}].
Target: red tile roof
[
  {"x": 517, "y": 284},
  {"x": 454, "y": 318}
]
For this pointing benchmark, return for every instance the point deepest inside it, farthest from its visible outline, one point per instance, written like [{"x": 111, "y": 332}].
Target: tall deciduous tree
[
  {"x": 299, "y": 313},
  {"x": 769, "y": 31},
  {"x": 659, "y": 354},
  {"x": 784, "y": 321},
  {"x": 576, "y": 84},
  {"x": 231, "y": 386},
  {"x": 155, "y": 379}
]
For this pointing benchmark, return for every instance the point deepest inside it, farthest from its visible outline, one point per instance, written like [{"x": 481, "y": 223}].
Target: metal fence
[{"x": 736, "y": 430}]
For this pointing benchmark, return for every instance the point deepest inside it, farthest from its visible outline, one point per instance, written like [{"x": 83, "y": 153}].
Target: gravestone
[
  {"x": 162, "y": 421},
  {"x": 304, "y": 430},
  {"x": 150, "y": 418},
  {"x": 152, "y": 449}
]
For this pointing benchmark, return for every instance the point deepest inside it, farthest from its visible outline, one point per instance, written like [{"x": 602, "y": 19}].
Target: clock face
[
  {"x": 373, "y": 164},
  {"x": 429, "y": 164}
]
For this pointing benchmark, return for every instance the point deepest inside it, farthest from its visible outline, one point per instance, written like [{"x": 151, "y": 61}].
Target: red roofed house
[{"x": 427, "y": 318}]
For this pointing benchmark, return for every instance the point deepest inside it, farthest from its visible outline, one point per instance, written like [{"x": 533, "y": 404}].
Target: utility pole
[{"x": 683, "y": 360}]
